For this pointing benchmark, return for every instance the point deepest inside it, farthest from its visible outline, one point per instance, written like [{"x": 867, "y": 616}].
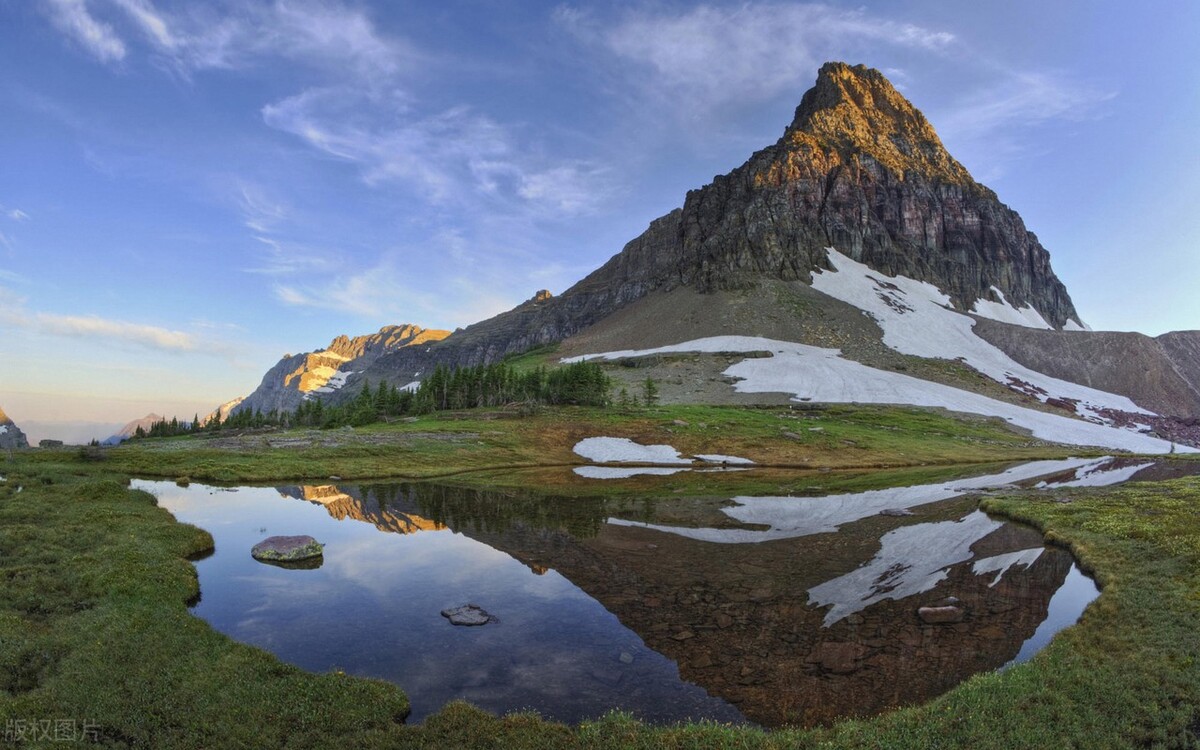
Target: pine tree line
[{"x": 578, "y": 384}]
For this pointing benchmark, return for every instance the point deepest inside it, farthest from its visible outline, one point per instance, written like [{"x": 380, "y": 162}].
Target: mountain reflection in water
[{"x": 778, "y": 610}]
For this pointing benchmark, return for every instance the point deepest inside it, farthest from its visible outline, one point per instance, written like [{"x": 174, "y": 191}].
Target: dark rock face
[
  {"x": 11, "y": 435},
  {"x": 1160, "y": 374},
  {"x": 295, "y": 376},
  {"x": 858, "y": 169}
]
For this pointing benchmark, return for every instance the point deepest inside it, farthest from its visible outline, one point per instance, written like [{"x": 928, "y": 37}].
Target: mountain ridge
[
  {"x": 774, "y": 216},
  {"x": 325, "y": 371},
  {"x": 856, "y": 234}
]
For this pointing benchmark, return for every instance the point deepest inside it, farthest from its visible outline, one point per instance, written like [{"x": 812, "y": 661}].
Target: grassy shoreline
[
  {"x": 94, "y": 627},
  {"x": 455, "y": 443}
]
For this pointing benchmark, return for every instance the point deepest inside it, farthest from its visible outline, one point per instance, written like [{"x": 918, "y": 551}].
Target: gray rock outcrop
[
  {"x": 1161, "y": 374},
  {"x": 287, "y": 549},
  {"x": 10, "y": 435}
]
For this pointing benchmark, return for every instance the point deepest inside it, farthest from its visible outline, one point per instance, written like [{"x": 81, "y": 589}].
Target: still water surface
[{"x": 796, "y": 607}]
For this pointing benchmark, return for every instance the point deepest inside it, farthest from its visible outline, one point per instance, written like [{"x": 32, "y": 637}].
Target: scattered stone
[
  {"x": 287, "y": 549},
  {"x": 940, "y": 615},
  {"x": 723, "y": 620},
  {"x": 792, "y": 435},
  {"x": 1063, "y": 500},
  {"x": 684, "y": 635},
  {"x": 896, "y": 512},
  {"x": 626, "y": 657},
  {"x": 703, "y": 661},
  {"x": 334, "y": 478},
  {"x": 468, "y": 615},
  {"x": 839, "y": 658},
  {"x": 680, "y": 422}
]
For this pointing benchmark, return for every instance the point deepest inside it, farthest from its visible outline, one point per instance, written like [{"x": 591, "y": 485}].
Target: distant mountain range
[
  {"x": 130, "y": 429},
  {"x": 862, "y": 256}
]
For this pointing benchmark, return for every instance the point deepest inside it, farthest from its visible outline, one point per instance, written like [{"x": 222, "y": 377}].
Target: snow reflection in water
[{"x": 772, "y": 609}]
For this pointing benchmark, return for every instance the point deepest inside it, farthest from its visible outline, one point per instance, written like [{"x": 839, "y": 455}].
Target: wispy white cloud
[
  {"x": 393, "y": 291},
  {"x": 14, "y": 312},
  {"x": 72, "y": 18},
  {"x": 1022, "y": 99},
  {"x": 150, "y": 21},
  {"x": 284, "y": 258},
  {"x": 709, "y": 56},
  {"x": 326, "y": 35},
  {"x": 16, "y": 214},
  {"x": 92, "y": 326},
  {"x": 261, "y": 212},
  {"x": 447, "y": 156}
]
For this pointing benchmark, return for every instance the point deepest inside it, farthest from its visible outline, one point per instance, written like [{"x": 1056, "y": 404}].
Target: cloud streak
[
  {"x": 92, "y": 327},
  {"x": 1022, "y": 99},
  {"x": 391, "y": 292},
  {"x": 13, "y": 312},
  {"x": 446, "y": 157},
  {"x": 73, "y": 19},
  {"x": 713, "y": 56}
]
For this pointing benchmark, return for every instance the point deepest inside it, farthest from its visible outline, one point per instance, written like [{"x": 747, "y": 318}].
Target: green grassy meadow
[{"x": 95, "y": 580}]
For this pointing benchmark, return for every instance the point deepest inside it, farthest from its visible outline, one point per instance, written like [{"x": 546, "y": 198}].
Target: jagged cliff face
[
  {"x": 326, "y": 371},
  {"x": 223, "y": 411},
  {"x": 858, "y": 169},
  {"x": 11, "y": 435}
]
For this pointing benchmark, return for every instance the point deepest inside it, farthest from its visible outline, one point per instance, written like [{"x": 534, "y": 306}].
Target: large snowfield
[
  {"x": 812, "y": 373},
  {"x": 917, "y": 318}
]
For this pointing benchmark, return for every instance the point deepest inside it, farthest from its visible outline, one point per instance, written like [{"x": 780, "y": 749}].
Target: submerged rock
[
  {"x": 468, "y": 614},
  {"x": 287, "y": 549}
]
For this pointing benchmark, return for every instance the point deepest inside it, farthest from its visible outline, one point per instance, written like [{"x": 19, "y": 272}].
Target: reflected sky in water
[{"x": 769, "y": 609}]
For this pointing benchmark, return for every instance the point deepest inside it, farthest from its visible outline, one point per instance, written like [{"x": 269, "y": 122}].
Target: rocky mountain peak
[
  {"x": 327, "y": 370},
  {"x": 854, "y": 110}
]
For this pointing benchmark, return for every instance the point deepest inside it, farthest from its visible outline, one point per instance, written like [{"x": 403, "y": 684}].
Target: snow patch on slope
[
  {"x": 917, "y": 318},
  {"x": 812, "y": 373},
  {"x": 1004, "y": 312},
  {"x": 611, "y": 449},
  {"x": 336, "y": 380}
]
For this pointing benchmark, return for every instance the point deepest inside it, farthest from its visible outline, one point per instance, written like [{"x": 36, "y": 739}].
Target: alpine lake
[{"x": 799, "y": 607}]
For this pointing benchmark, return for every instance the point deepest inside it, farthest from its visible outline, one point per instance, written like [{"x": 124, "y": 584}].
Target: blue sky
[{"x": 191, "y": 190}]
